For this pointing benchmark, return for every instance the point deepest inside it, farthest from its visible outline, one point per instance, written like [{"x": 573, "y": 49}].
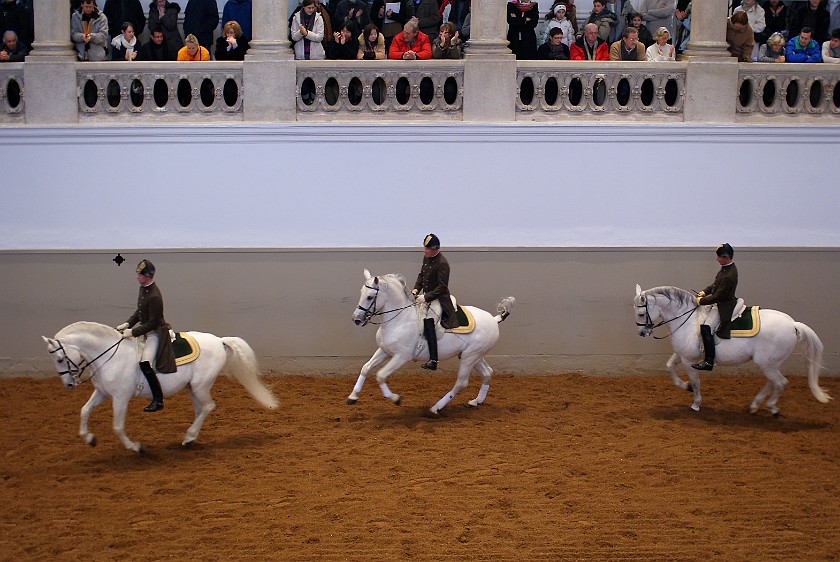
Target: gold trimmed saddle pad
[
  {"x": 747, "y": 325},
  {"x": 186, "y": 348},
  {"x": 465, "y": 320}
]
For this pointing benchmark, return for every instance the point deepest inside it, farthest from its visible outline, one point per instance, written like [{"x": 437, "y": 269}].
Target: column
[{"x": 708, "y": 29}]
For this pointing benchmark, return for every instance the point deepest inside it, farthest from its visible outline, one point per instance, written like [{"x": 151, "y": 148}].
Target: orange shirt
[{"x": 200, "y": 54}]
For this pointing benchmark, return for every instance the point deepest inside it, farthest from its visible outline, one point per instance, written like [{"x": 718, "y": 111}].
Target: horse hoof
[
  {"x": 434, "y": 413},
  {"x": 91, "y": 440},
  {"x": 187, "y": 443},
  {"x": 473, "y": 403},
  {"x": 776, "y": 414},
  {"x": 753, "y": 410},
  {"x": 352, "y": 401},
  {"x": 397, "y": 399},
  {"x": 140, "y": 449},
  {"x": 695, "y": 407}
]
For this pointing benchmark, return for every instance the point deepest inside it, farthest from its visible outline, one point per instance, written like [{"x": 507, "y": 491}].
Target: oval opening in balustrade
[
  {"x": 230, "y": 92},
  {"x": 13, "y": 93},
  {"x": 599, "y": 92},
  {"x": 160, "y": 92},
  {"x": 450, "y": 90},
  {"x": 647, "y": 92},
  {"x": 552, "y": 91},
  {"x": 575, "y": 91},
  {"x": 90, "y": 93},
  {"x": 112, "y": 93},
  {"x": 331, "y": 91},
  {"x": 526, "y": 91},
  {"x": 135, "y": 92},
  {"x": 745, "y": 93},
  {"x": 307, "y": 91},
  {"x": 815, "y": 94},
  {"x": 427, "y": 90},
  {"x": 622, "y": 92},
  {"x": 792, "y": 94},
  {"x": 768, "y": 94},
  {"x": 207, "y": 92},
  {"x": 378, "y": 91},
  {"x": 672, "y": 92},
  {"x": 355, "y": 91},
  {"x": 403, "y": 91},
  {"x": 184, "y": 92},
  {"x": 836, "y": 97}
]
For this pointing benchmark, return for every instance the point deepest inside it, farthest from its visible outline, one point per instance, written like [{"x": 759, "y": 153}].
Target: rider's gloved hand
[
  {"x": 419, "y": 300},
  {"x": 414, "y": 292},
  {"x": 122, "y": 326},
  {"x": 701, "y": 294},
  {"x": 697, "y": 300},
  {"x": 127, "y": 333}
]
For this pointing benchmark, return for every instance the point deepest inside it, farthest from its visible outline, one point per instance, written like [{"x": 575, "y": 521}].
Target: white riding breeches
[{"x": 149, "y": 343}]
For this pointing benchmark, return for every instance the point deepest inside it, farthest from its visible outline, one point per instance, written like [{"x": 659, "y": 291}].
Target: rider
[
  {"x": 722, "y": 293},
  {"x": 147, "y": 322},
  {"x": 432, "y": 283}
]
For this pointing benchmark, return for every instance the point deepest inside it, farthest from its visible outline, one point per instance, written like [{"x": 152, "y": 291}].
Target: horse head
[
  {"x": 67, "y": 360},
  {"x": 375, "y": 295},
  {"x": 660, "y": 305},
  {"x": 644, "y": 319}
]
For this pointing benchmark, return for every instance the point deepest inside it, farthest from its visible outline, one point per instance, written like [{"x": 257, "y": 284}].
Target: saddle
[
  {"x": 465, "y": 319},
  {"x": 745, "y": 321},
  {"x": 185, "y": 347}
]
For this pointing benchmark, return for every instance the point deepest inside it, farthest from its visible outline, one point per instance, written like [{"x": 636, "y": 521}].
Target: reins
[
  {"x": 370, "y": 311},
  {"x": 649, "y": 323},
  {"x": 76, "y": 371}
]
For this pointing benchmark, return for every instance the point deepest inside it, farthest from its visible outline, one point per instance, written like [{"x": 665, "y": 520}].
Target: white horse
[
  {"x": 769, "y": 348},
  {"x": 115, "y": 373},
  {"x": 400, "y": 337}
]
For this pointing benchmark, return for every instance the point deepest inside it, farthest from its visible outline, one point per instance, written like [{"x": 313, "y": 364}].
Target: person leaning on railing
[
  {"x": 192, "y": 51},
  {"x": 233, "y": 43},
  {"x": 125, "y": 46},
  {"x": 661, "y": 50},
  {"x": 411, "y": 44},
  {"x": 773, "y": 50},
  {"x": 628, "y": 47},
  {"x": 12, "y": 51},
  {"x": 371, "y": 44},
  {"x": 345, "y": 44},
  {"x": 447, "y": 45},
  {"x": 740, "y": 37},
  {"x": 831, "y": 48},
  {"x": 802, "y": 48}
]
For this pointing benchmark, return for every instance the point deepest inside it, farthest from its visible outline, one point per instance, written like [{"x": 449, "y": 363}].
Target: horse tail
[
  {"x": 813, "y": 352},
  {"x": 505, "y": 308},
  {"x": 242, "y": 364}
]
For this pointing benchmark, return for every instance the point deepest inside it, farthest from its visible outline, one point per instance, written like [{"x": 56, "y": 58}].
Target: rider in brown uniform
[
  {"x": 148, "y": 323},
  {"x": 432, "y": 283},
  {"x": 722, "y": 293}
]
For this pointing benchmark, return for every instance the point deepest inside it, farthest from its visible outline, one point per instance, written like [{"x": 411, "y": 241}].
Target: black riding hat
[
  {"x": 725, "y": 250},
  {"x": 431, "y": 241},
  {"x": 146, "y": 268}
]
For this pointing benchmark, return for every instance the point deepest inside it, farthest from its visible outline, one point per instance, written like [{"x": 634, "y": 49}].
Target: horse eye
[{"x": 61, "y": 359}]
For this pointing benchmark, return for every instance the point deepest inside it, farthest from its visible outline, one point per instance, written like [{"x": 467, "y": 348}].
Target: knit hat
[{"x": 559, "y": 7}]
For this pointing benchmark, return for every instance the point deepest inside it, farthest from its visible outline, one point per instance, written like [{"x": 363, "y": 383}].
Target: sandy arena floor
[{"x": 550, "y": 468}]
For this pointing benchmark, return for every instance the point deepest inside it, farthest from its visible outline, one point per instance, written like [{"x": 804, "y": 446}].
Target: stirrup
[
  {"x": 431, "y": 365},
  {"x": 154, "y": 406},
  {"x": 704, "y": 366}
]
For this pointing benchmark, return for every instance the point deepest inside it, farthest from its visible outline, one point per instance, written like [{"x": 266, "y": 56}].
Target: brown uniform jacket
[
  {"x": 433, "y": 281},
  {"x": 722, "y": 293},
  {"x": 149, "y": 317}
]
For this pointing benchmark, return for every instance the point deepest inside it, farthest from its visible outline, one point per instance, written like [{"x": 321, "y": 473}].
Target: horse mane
[
  {"x": 675, "y": 294},
  {"x": 92, "y": 328},
  {"x": 399, "y": 279}
]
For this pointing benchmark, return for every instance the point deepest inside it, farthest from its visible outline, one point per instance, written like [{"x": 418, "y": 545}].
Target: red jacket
[
  {"x": 422, "y": 46},
  {"x": 576, "y": 52}
]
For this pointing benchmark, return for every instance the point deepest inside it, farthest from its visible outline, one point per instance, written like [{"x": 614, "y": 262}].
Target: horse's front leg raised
[
  {"x": 382, "y": 377},
  {"x": 460, "y": 384},
  {"x": 378, "y": 357},
  {"x": 120, "y": 410},
  {"x": 671, "y": 365},
  {"x": 95, "y": 400}
]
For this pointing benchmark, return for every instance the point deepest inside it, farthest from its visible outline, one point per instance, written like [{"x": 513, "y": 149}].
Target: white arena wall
[{"x": 262, "y": 231}]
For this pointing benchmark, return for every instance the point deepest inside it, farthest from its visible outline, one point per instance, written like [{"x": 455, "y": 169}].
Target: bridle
[
  {"x": 75, "y": 370},
  {"x": 370, "y": 311},
  {"x": 648, "y": 323}
]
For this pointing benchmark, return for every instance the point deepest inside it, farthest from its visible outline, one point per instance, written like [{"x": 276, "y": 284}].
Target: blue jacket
[
  {"x": 240, "y": 12},
  {"x": 794, "y": 52}
]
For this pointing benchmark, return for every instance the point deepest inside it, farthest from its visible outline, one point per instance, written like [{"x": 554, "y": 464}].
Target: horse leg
[
  {"x": 202, "y": 406},
  {"x": 95, "y": 400},
  {"x": 759, "y": 398},
  {"x": 120, "y": 410},
  {"x": 779, "y": 383},
  {"x": 694, "y": 381},
  {"x": 460, "y": 384},
  {"x": 382, "y": 378},
  {"x": 486, "y": 372},
  {"x": 377, "y": 358},
  {"x": 671, "y": 365}
]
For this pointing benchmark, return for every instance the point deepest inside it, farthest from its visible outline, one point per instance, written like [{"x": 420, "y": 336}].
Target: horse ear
[
  {"x": 46, "y": 339},
  {"x": 638, "y": 290},
  {"x": 367, "y": 275}
]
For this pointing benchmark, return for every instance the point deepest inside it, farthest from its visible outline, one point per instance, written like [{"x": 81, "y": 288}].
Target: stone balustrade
[
  {"x": 11, "y": 93},
  {"x": 790, "y": 90}
]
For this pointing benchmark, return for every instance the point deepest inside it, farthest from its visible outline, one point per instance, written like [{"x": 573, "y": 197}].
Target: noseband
[
  {"x": 370, "y": 311},
  {"x": 75, "y": 370},
  {"x": 648, "y": 323}
]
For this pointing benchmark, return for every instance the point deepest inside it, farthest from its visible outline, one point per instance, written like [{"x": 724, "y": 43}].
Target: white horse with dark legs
[
  {"x": 400, "y": 338},
  {"x": 769, "y": 348},
  {"x": 113, "y": 370}
]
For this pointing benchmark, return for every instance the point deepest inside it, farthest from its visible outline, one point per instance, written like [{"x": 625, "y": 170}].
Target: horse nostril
[{"x": 357, "y": 322}]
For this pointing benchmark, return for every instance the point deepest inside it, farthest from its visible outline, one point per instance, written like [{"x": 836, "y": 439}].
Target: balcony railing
[
  {"x": 788, "y": 90},
  {"x": 12, "y": 93}
]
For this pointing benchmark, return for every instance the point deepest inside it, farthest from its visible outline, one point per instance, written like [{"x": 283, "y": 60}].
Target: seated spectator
[
  {"x": 775, "y": 17},
  {"x": 559, "y": 20},
  {"x": 661, "y": 51},
  {"x": 345, "y": 45},
  {"x": 356, "y": 11},
  {"x": 522, "y": 18},
  {"x": 125, "y": 46},
  {"x": 682, "y": 20},
  {"x": 802, "y": 48},
  {"x": 645, "y": 38},
  {"x": 89, "y": 32},
  {"x": 371, "y": 44},
  {"x": 831, "y": 48},
  {"x": 411, "y": 44},
  {"x": 589, "y": 46},
  {"x": 163, "y": 15},
  {"x": 812, "y": 15},
  {"x": 773, "y": 50},
  {"x": 656, "y": 13},
  {"x": 12, "y": 51},
  {"x": 192, "y": 51},
  {"x": 17, "y": 17},
  {"x": 240, "y": 12},
  {"x": 628, "y": 47},
  {"x": 554, "y": 48},
  {"x": 308, "y": 32},
  {"x": 233, "y": 43},
  {"x": 447, "y": 45},
  {"x": 156, "y": 49},
  {"x": 603, "y": 17},
  {"x": 755, "y": 17},
  {"x": 740, "y": 37}
]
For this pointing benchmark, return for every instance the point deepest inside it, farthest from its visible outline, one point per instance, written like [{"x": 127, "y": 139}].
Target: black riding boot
[
  {"x": 708, "y": 347},
  {"x": 157, "y": 395},
  {"x": 431, "y": 337}
]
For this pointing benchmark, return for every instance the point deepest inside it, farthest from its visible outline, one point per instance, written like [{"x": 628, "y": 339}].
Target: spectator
[
  {"x": 645, "y": 38},
  {"x": 308, "y": 32},
  {"x": 465, "y": 29},
  {"x": 661, "y": 51},
  {"x": 447, "y": 45},
  {"x": 345, "y": 45},
  {"x": 739, "y": 37},
  {"x": 523, "y": 17},
  {"x": 428, "y": 17},
  {"x": 682, "y": 19},
  {"x": 775, "y": 17},
  {"x": 802, "y": 48},
  {"x": 377, "y": 14},
  {"x": 325, "y": 17},
  {"x": 755, "y": 17},
  {"x": 16, "y": 17},
  {"x": 830, "y": 49},
  {"x": 560, "y": 21},
  {"x": 163, "y": 15},
  {"x": 833, "y": 14},
  {"x": 355, "y": 11},
  {"x": 589, "y": 46},
  {"x": 371, "y": 44},
  {"x": 233, "y": 43},
  {"x": 812, "y": 15},
  {"x": 571, "y": 15},
  {"x": 554, "y": 48},
  {"x": 120, "y": 11},
  {"x": 657, "y": 13},
  {"x": 192, "y": 51},
  {"x": 125, "y": 46},
  {"x": 411, "y": 44},
  {"x": 12, "y": 50},
  {"x": 156, "y": 49},
  {"x": 773, "y": 50},
  {"x": 628, "y": 47},
  {"x": 89, "y": 32},
  {"x": 603, "y": 18},
  {"x": 201, "y": 18},
  {"x": 240, "y": 12},
  {"x": 458, "y": 11}
]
